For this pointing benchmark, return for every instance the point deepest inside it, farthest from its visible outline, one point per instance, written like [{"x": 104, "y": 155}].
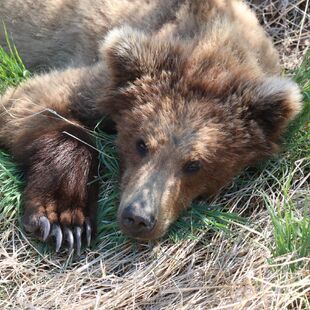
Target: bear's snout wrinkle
[{"x": 138, "y": 219}]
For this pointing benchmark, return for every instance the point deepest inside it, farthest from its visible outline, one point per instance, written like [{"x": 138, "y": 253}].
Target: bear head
[{"x": 190, "y": 116}]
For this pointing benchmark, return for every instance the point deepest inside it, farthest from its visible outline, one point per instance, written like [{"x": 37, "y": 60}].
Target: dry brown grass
[
  {"x": 215, "y": 270},
  {"x": 288, "y": 23}
]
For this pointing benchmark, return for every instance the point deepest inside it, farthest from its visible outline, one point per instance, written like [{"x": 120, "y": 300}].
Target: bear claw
[
  {"x": 88, "y": 231},
  {"x": 73, "y": 236},
  {"x": 69, "y": 238},
  {"x": 77, "y": 235},
  {"x": 57, "y": 233},
  {"x": 44, "y": 226}
]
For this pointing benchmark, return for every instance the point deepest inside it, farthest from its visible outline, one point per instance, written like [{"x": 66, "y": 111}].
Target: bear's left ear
[
  {"x": 131, "y": 53},
  {"x": 272, "y": 104}
]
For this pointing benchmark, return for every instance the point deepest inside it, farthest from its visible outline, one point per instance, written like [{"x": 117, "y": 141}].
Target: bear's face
[
  {"x": 173, "y": 149},
  {"x": 185, "y": 130}
]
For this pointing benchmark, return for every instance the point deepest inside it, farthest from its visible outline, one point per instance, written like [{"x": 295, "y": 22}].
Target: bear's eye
[
  {"x": 192, "y": 166},
  {"x": 141, "y": 147}
]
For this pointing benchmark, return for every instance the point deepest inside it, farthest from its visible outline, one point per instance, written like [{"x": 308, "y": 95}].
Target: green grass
[
  {"x": 290, "y": 222},
  {"x": 291, "y": 218},
  {"x": 10, "y": 188},
  {"x": 12, "y": 69}
]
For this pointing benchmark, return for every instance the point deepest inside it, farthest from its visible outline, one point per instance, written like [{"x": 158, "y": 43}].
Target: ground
[{"x": 248, "y": 248}]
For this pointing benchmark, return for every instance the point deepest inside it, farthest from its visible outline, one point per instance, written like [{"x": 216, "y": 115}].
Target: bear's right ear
[
  {"x": 131, "y": 53},
  {"x": 272, "y": 104}
]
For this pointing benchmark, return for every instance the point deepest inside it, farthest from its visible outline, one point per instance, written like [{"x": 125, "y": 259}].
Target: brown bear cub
[{"x": 192, "y": 86}]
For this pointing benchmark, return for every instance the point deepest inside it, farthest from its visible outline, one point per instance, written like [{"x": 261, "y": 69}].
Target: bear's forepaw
[{"x": 60, "y": 197}]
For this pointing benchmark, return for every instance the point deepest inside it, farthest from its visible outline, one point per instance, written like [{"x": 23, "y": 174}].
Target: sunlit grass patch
[
  {"x": 12, "y": 69},
  {"x": 289, "y": 205},
  {"x": 12, "y": 72},
  {"x": 10, "y": 188},
  {"x": 290, "y": 213}
]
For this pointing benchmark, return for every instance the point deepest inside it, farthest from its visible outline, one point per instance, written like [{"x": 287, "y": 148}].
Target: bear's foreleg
[{"x": 42, "y": 125}]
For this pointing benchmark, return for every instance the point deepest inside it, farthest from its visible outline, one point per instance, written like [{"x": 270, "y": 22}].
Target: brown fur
[
  {"x": 195, "y": 80},
  {"x": 59, "y": 170}
]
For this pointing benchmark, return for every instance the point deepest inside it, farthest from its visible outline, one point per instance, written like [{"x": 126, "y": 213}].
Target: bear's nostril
[
  {"x": 136, "y": 220},
  {"x": 128, "y": 221}
]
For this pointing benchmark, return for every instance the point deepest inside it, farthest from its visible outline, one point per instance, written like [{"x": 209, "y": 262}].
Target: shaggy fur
[{"x": 192, "y": 87}]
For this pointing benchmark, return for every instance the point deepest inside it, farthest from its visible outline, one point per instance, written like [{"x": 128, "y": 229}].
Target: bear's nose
[{"x": 137, "y": 219}]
